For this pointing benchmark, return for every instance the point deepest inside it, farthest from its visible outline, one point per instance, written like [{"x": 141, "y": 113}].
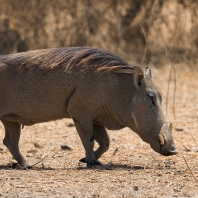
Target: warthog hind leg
[
  {"x": 11, "y": 141},
  {"x": 17, "y": 118}
]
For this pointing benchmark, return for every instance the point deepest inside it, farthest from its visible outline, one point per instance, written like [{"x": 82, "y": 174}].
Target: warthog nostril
[{"x": 170, "y": 152}]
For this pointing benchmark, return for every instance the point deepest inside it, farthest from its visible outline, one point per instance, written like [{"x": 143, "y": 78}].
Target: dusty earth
[{"x": 130, "y": 167}]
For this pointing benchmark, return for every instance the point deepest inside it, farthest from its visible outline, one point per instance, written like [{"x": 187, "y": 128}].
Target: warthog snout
[
  {"x": 169, "y": 152},
  {"x": 166, "y": 141}
]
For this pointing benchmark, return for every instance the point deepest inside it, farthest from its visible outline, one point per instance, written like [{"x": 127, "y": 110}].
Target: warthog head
[{"x": 148, "y": 120}]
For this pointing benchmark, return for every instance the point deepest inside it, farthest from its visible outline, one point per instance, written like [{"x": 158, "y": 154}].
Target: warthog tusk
[
  {"x": 161, "y": 139},
  {"x": 162, "y": 134},
  {"x": 163, "y": 129}
]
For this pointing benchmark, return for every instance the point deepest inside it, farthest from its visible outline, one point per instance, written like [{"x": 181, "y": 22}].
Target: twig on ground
[
  {"x": 167, "y": 93},
  {"x": 174, "y": 91},
  {"x": 39, "y": 161},
  {"x": 42, "y": 159},
  {"x": 189, "y": 169},
  {"x": 195, "y": 126}
]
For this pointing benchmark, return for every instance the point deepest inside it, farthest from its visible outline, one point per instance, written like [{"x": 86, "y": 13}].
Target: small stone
[
  {"x": 116, "y": 150},
  {"x": 65, "y": 147},
  {"x": 135, "y": 188},
  {"x": 31, "y": 151},
  {"x": 186, "y": 149},
  {"x": 70, "y": 125},
  {"x": 37, "y": 145},
  {"x": 179, "y": 129},
  {"x": 1, "y": 150}
]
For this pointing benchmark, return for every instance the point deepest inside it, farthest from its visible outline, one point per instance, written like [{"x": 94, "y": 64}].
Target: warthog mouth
[
  {"x": 163, "y": 141},
  {"x": 169, "y": 152}
]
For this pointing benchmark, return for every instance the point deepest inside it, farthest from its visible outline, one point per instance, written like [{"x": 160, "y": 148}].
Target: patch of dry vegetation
[{"x": 143, "y": 32}]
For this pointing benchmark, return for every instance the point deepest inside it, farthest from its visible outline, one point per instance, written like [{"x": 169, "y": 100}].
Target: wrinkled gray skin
[{"x": 95, "y": 88}]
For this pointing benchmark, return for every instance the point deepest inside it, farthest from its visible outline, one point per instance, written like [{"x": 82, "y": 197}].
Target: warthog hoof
[
  {"x": 91, "y": 164},
  {"x": 24, "y": 167}
]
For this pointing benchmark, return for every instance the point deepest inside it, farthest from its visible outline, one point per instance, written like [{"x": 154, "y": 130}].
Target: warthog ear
[
  {"x": 148, "y": 72},
  {"x": 137, "y": 76}
]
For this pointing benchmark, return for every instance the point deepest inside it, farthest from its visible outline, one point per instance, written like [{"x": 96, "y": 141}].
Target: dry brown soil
[{"x": 130, "y": 167}]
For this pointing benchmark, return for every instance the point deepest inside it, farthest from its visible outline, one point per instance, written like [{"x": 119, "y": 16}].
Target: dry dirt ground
[{"x": 130, "y": 167}]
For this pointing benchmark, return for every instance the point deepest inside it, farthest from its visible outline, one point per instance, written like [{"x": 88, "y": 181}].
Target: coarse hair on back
[
  {"x": 102, "y": 60},
  {"x": 92, "y": 58}
]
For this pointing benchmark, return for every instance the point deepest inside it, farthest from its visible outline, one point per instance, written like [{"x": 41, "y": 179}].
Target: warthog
[{"x": 95, "y": 88}]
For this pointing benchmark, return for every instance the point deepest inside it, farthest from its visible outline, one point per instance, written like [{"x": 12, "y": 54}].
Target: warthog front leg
[
  {"x": 101, "y": 136},
  {"x": 85, "y": 131},
  {"x": 11, "y": 141}
]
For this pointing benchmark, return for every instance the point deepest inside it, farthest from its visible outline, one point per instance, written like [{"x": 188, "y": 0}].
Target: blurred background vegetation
[{"x": 143, "y": 32}]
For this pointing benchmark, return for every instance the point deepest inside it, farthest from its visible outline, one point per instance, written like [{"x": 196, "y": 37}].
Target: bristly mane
[{"x": 98, "y": 59}]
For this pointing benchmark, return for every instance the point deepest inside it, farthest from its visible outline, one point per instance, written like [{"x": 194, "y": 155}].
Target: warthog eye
[
  {"x": 152, "y": 97},
  {"x": 151, "y": 94}
]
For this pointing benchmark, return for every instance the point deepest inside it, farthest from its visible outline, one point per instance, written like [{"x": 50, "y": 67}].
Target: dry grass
[
  {"x": 130, "y": 168},
  {"x": 139, "y": 31}
]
